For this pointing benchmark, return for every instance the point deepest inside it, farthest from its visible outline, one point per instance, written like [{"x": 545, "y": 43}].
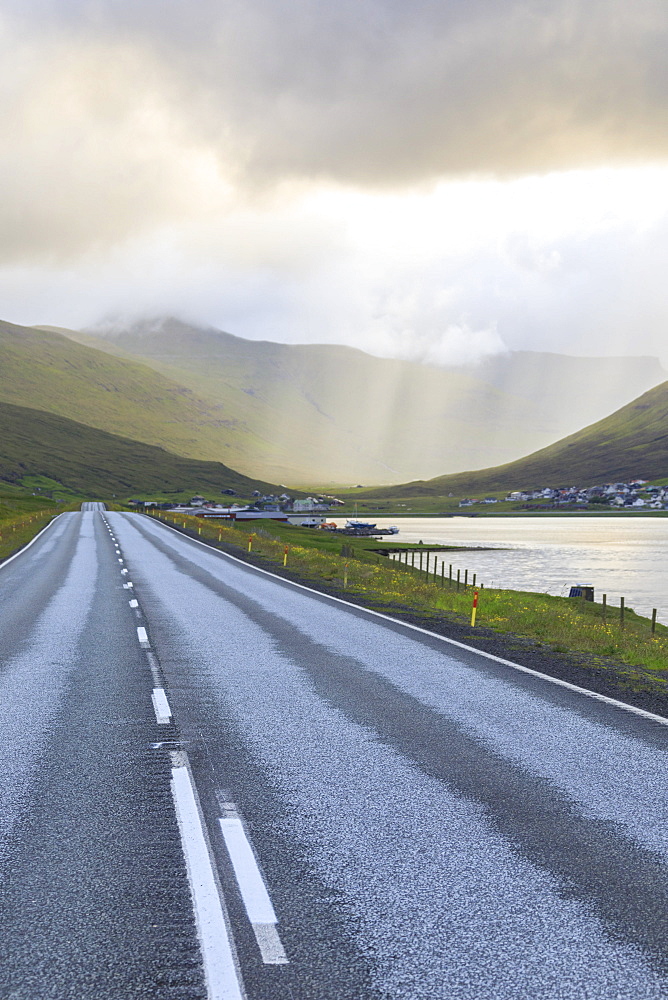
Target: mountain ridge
[
  {"x": 332, "y": 413},
  {"x": 630, "y": 443}
]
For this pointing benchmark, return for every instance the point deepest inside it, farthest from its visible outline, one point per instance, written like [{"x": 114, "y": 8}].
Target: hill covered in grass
[
  {"x": 38, "y": 447},
  {"x": 630, "y": 443},
  {"x": 304, "y": 413},
  {"x": 44, "y": 370}
]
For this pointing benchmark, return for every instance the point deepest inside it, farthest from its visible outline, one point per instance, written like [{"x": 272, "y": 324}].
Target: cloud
[
  {"x": 383, "y": 92},
  {"x": 115, "y": 110},
  {"x": 421, "y": 178}
]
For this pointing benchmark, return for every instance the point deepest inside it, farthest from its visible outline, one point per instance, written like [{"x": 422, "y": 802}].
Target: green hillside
[
  {"x": 44, "y": 370},
  {"x": 38, "y": 447},
  {"x": 631, "y": 443},
  {"x": 332, "y": 414}
]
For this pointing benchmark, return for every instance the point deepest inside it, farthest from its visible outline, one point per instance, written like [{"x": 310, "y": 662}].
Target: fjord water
[{"x": 619, "y": 556}]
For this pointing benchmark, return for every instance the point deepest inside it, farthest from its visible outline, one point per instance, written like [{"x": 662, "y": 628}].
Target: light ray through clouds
[{"x": 434, "y": 181}]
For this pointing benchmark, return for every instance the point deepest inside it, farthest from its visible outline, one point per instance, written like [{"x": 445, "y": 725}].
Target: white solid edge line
[
  {"x": 163, "y": 712},
  {"x": 251, "y": 884},
  {"x": 142, "y": 636},
  {"x": 5, "y": 562},
  {"x": 222, "y": 979},
  {"x": 662, "y": 720}
]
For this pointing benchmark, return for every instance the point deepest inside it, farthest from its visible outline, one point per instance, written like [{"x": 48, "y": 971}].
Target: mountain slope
[
  {"x": 334, "y": 414},
  {"x": 44, "y": 370},
  {"x": 94, "y": 463},
  {"x": 630, "y": 443}
]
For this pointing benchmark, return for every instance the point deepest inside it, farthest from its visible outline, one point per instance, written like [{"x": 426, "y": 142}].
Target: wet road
[{"x": 218, "y": 784}]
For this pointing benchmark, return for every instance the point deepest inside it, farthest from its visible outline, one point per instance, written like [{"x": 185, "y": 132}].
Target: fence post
[
  {"x": 621, "y": 612},
  {"x": 442, "y": 575},
  {"x": 450, "y": 575},
  {"x": 427, "y": 567},
  {"x": 466, "y": 578},
  {"x": 605, "y": 606},
  {"x": 474, "y": 579},
  {"x": 653, "y": 620},
  {"x": 458, "y": 572}
]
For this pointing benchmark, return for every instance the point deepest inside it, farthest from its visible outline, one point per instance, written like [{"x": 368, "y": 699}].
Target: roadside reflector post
[
  {"x": 250, "y": 542},
  {"x": 285, "y": 556},
  {"x": 184, "y": 524},
  {"x": 199, "y": 529},
  {"x": 345, "y": 575},
  {"x": 474, "y": 609},
  {"x": 621, "y": 612},
  {"x": 220, "y": 534},
  {"x": 653, "y": 620}
]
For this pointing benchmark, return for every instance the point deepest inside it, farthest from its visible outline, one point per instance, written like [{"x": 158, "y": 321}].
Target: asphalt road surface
[{"x": 217, "y": 784}]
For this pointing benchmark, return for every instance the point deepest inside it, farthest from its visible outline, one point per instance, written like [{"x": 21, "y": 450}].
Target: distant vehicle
[{"x": 233, "y": 493}]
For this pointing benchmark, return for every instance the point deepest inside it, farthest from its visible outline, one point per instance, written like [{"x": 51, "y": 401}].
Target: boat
[{"x": 360, "y": 525}]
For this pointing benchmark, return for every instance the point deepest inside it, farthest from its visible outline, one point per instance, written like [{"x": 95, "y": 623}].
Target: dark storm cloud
[{"x": 377, "y": 92}]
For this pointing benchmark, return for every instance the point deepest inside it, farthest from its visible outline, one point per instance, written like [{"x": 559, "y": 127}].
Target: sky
[{"x": 438, "y": 180}]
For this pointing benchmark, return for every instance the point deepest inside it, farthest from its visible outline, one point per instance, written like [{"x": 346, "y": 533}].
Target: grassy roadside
[
  {"x": 556, "y": 626},
  {"x": 23, "y": 517}
]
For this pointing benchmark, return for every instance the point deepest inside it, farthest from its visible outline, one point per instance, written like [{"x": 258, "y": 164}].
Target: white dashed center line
[
  {"x": 133, "y": 603},
  {"x": 163, "y": 712},
  {"x": 143, "y": 638}
]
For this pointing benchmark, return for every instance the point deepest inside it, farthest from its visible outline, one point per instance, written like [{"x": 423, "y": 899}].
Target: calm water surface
[{"x": 618, "y": 557}]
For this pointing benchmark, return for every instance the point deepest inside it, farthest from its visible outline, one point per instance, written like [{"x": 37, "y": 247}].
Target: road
[{"x": 219, "y": 784}]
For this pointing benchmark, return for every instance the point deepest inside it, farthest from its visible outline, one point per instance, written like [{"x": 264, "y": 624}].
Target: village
[
  {"x": 307, "y": 512},
  {"x": 636, "y": 494}
]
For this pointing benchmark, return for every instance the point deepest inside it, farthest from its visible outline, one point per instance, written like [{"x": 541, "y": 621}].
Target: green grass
[
  {"x": 47, "y": 371},
  {"x": 41, "y": 449},
  {"x": 22, "y": 516},
  {"x": 558, "y": 623}
]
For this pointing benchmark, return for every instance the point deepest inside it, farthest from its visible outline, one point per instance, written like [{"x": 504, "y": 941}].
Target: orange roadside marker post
[{"x": 474, "y": 608}]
